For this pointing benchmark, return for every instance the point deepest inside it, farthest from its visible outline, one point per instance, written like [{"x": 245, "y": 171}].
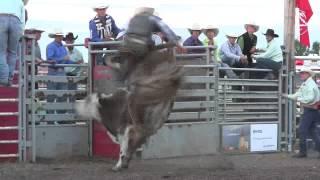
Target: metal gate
[
  {"x": 205, "y": 105},
  {"x": 51, "y": 129}
]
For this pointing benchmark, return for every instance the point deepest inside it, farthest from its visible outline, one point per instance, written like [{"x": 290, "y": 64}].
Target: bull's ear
[
  {"x": 100, "y": 100},
  {"x": 103, "y": 98}
]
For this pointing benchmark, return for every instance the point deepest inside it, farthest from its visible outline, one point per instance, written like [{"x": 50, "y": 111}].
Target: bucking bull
[{"x": 132, "y": 114}]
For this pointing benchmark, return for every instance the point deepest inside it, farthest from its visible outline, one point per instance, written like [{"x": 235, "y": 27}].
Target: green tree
[
  {"x": 300, "y": 50},
  {"x": 315, "y": 47}
]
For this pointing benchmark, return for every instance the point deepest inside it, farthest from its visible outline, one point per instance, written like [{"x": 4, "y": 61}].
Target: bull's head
[{"x": 89, "y": 107}]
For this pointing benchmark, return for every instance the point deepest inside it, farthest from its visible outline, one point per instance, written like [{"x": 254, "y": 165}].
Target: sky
[{"x": 228, "y": 15}]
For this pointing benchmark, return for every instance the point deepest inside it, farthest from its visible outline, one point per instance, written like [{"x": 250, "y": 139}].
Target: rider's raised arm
[{"x": 165, "y": 29}]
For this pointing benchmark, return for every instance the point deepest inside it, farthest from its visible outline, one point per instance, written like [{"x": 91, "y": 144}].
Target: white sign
[{"x": 263, "y": 137}]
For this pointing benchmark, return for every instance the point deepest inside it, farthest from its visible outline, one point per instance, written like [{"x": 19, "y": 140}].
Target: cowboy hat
[
  {"x": 32, "y": 30},
  {"x": 70, "y": 36},
  {"x": 256, "y": 27},
  {"x": 56, "y": 32},
  {"x": 232, "y": 34},
  {"x": 100, "y": 6},
  {"x": 308, "y": 70},
  {"x": 270, "y": 32},
  {"x": 195, "y": 27},
  {"x": 147, "y": 10},
  {"x": 211, "y": 27}
]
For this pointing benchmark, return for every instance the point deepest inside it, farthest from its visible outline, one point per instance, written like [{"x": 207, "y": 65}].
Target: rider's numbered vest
[{"x": 104, "y": 27}]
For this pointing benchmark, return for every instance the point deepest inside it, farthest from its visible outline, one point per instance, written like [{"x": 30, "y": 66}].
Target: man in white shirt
[
  {"x": 74, "y": 54},
  {"x": 12, "y": 17},
  {"x": 76, "y": 57},
  {"x": 272, "y": 57},
  {"x": 309, "y": 96}
]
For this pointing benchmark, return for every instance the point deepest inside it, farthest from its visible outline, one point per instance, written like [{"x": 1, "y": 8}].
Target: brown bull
[{"x": 133, "y": 114}]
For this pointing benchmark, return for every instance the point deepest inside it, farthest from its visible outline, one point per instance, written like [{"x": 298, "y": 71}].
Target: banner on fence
[
  {"x": 263, "y": 137},
  {"x": 250, "y": 138}
]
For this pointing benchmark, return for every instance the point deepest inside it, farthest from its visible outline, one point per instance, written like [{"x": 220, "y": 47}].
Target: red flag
[{"x": 305, "y": 13}]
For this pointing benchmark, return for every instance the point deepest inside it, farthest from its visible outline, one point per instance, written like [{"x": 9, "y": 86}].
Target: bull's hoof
[
  {"x": 119, "y": 168},
  {"x": 116, "y": 169}
]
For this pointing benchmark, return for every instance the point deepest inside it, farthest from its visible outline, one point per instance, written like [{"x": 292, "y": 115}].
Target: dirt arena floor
[{"x": 275, "y": 166}]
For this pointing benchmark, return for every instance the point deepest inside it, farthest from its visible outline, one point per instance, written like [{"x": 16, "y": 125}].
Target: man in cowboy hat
[
  {"x": 271, "y": 58},
  {"x": 231, "y": 54},
  {"x": 211, "y": 32},
  {"x": 77, "y": 58},
  {"x": 57, "y": 54},
  {"x": 37, "y": 35},
  {"x": 193, "y": 40},
  {"x": 12, "y": 18},
  {"x": 138, "y": 39},
  {"x": 309, "y": 96},
  {"x": 248, "y": 41},
  {"x": 75, "y": 55},
  {"x": 102, "y": 26}
]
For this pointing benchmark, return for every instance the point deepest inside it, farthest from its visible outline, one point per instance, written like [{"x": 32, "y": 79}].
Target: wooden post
[
  {"x": 289, "y": 30},
  {"x": 289, "y": 84}
]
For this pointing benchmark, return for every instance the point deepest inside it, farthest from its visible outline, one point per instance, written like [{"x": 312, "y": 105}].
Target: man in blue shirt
[
  {"x": 102, "y": 26},
  {"x": 12, "y": 19},
  {"x": 57, "y": 54},
  {"x": 231, "y": 54}
]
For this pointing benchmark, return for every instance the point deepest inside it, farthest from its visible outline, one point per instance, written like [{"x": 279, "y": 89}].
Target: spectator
[
  {"x": 309, "y": 96},
  {"x": 193, "y": 40},
  {"x": 102, "y": 26},
  {"x": 138, "y": 40},
  {"x": 75, "y": 55},
  {"x": 37, "y": 51},
  {"x": 37, "y": 35},
  {"x": 211, "y": 32},
  {"x": 231, "y": 54},
  {"x": 57, "y": 54},
  {"x": 12, "y": 18},
  {"x": 271, "y": 58},
  {"x": 77, "y": 58},
  {"x": 248, "y": 41}
]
